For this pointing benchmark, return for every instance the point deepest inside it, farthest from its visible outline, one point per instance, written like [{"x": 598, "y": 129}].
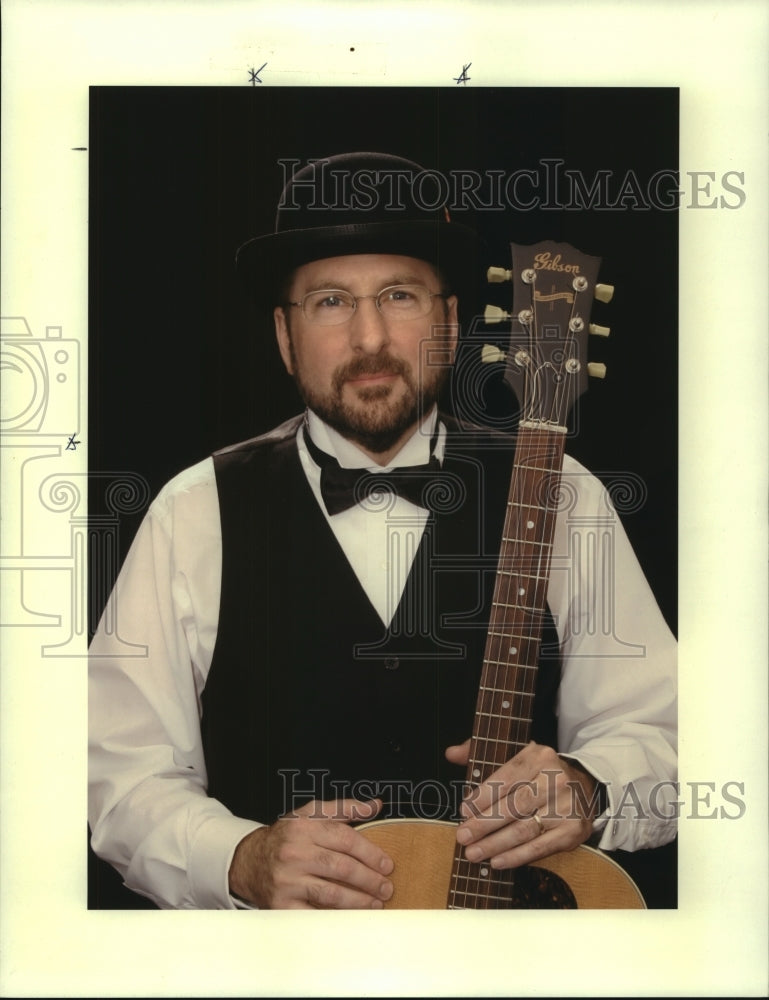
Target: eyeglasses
[{"x": 331, "y": 306}]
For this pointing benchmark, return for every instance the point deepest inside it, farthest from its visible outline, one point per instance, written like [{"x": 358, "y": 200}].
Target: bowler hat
[{"x": 358, "y": 203}]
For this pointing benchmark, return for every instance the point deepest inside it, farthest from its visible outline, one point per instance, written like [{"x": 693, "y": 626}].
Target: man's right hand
[{"x": 312, "y": 859}]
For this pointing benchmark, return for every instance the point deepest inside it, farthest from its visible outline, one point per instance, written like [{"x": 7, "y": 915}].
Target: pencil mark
[
  {"x": 463, "y": 77},
  {"x": 79, "y": 149},
  {"x": 254, "y": 74},
  {"x": 72, "y": 444}
]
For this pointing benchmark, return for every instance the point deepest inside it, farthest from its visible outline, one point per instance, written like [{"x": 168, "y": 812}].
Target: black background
[{"x": 182, "y": 363}]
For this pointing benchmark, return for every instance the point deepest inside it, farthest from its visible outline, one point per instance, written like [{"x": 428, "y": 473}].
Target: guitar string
[
  {"x": 509, "y": 556},
  {"x": 498, "y": 665},
  {"x": 516, "y": 681},
  {"x": 475, "y": 880}
]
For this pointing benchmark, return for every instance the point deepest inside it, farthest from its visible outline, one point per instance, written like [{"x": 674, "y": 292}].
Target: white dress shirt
[{"x": 149, "y": 812}]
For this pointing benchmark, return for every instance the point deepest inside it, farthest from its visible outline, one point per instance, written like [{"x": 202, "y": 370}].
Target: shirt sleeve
[
  {"x": 617, "y": 705},
  {"x": 149, "y": 812}
]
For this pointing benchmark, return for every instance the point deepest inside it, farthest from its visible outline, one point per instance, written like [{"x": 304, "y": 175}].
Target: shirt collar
[{"x": 416, "y": 450}]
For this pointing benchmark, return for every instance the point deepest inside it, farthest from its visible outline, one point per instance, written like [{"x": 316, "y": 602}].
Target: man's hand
[
  {"x": 312, "y": 859},
  {"x": 534, "y": 805}
]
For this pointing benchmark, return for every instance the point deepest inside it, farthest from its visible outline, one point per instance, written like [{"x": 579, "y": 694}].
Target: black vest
[{"x": 309, "y": 695}]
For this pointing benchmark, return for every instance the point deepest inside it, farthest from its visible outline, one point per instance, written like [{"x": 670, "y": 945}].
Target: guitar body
[{"x": 423, "y": 851}]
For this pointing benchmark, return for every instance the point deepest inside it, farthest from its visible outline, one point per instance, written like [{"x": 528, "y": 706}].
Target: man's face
[{"x": 371, "y": 378}]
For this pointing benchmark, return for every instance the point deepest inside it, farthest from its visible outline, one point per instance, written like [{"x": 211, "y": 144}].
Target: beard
[{"x": 382, "y": 415}]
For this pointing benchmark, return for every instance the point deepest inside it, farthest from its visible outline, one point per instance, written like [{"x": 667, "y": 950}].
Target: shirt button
[
  {"x": 395, "y": 746},
  {"x": 391, "y": 663}
]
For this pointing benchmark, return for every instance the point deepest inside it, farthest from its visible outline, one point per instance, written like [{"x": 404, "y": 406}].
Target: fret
[
  {"x": 511, "y": 657},
  {"x": 486, "y": 711},
  {"x": 513, "y": 636},
  {"x": 549, "y": 470},
  {"x": 474, "y": 880},
  {"x": 486, "y": 702},
  {"x": 483, "y": 705},
  {"x": 516, "y": 607},
  {"x": 503, "y": 717},
  {"x": 506, "y": 691},
  {"x": 493, "y": 763},
  {"x": 523, "y": 576},
  {"x": 490, "y": 739},
  {"x": 512, "y": 690},
  {"x": 477, "y": 884},
  {"x": 529, "y": 506},
  {"x": 478, "y": 895},
  {"x": 522, "y": 648}
]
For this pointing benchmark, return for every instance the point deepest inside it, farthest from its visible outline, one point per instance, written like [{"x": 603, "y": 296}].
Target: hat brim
[{"x": 265, "y": 262}]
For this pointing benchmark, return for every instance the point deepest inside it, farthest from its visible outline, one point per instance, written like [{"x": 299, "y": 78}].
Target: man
[{"x": 313, "y": 649}]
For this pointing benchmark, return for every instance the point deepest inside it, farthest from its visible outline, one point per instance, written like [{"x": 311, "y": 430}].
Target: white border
[{"x": 716, "y": 942}]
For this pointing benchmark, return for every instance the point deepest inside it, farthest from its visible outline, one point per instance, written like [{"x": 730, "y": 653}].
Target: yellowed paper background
[{"x": 715, "y": 944}]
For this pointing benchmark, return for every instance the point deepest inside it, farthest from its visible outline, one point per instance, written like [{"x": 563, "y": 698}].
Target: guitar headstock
[{"x": 546, "y": 362}]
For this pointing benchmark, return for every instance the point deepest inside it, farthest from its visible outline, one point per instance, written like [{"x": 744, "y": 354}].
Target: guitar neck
[
  {"x": 553, "y": 287},
  {"x": 502, "y": 724}
]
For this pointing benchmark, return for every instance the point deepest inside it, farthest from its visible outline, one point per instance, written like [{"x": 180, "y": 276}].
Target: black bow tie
[{"x": 343, "y": 488}]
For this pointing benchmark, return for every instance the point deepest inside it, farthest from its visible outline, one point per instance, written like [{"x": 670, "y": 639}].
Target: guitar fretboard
[{"x": 503, "y": 713}]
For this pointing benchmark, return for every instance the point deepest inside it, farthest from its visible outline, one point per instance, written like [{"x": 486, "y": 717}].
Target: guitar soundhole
[{"x": 539, "y": 889}]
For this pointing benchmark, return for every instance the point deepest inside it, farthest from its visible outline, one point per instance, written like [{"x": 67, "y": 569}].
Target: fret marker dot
[
  {"x": 529, "y": 524},
  {"x": 505, "y": 704},
  {"x": 484, "y": 872},
  {"x": 476, "y": 773},
  {"x": 521, "y": 591},
  {"x": 513, "y": 649}
]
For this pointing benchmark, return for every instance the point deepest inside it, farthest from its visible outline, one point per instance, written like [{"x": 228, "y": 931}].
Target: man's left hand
[{"x": 534, "y": 805}]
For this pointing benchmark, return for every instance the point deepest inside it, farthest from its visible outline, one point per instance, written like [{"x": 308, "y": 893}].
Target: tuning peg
[
  {"x": 496, "y": 275},
  {"x": 604, "y": 293},
  {"x": 490, "y": 353},
  {"x": 596, "y": 369},
  {"x": 599, "y": 331},
  {"x": 493, "y": 314}
]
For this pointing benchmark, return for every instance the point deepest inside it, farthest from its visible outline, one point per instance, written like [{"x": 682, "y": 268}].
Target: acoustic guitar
[{"x": 553, "y": 289}]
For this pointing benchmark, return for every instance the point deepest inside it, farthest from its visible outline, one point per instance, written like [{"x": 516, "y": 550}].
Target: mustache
[{"x": 380, "y": 365}]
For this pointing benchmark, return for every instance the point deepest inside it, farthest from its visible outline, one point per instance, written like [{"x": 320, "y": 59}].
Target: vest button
[
  {"x": 392, "y": 663},
  {"x": 395, "y": 746}
]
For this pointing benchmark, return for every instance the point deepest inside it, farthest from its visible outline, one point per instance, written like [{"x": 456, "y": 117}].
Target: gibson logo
[{"x": 546, "y": 262}]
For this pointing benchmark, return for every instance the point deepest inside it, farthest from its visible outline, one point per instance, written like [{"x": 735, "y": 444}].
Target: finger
[
  {"x": 322, "y": 894},
  {"x": 510, "y": 778},
  {"x": 343, "y": 810},
  {"x": 506, "y": 838},
  {"x": 311, "y": 852},
  {"x": 459, "y": 753},
  {"x": 496, "y": 804},
  {"x": 341, "y": 881},
  {"x": 330, "y": 865},
  {"x": 538, "y": 847},
  {"x": 333, "y": 833}
]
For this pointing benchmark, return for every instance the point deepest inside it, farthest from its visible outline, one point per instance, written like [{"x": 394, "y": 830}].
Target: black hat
[{"x": 358, "y": 203}]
